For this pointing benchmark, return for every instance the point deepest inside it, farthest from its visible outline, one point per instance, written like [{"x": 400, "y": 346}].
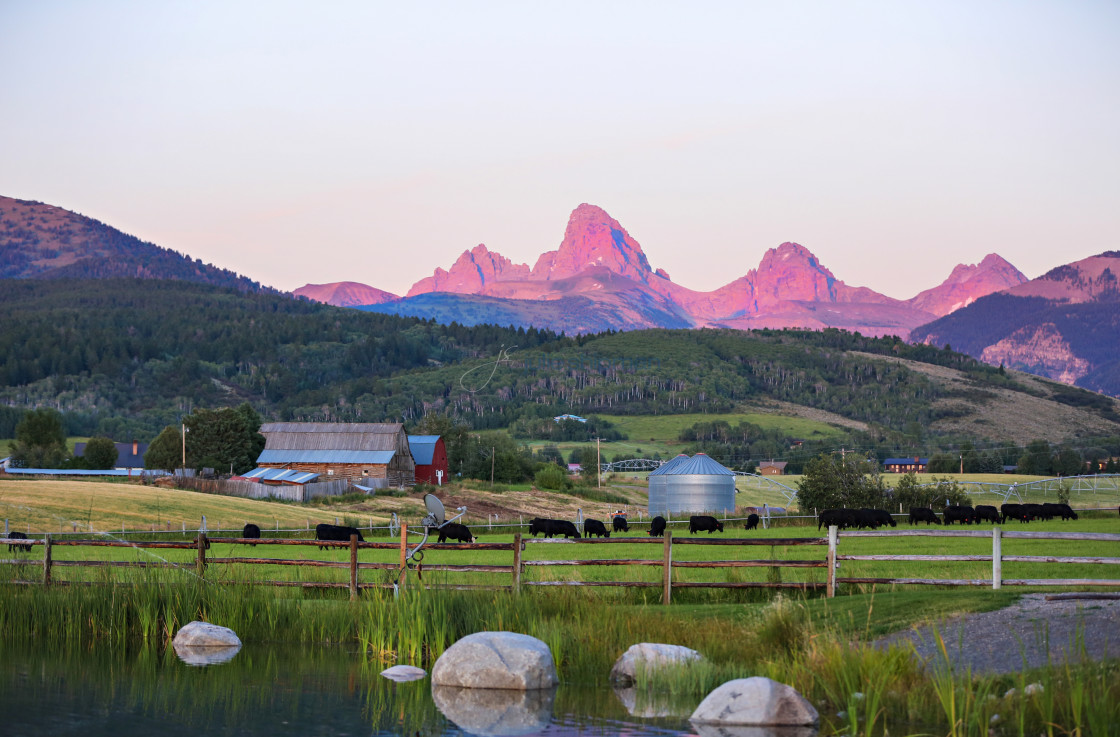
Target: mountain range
[
  {"x": 600, "y": 279},
  {"x": 1064, "y": 325}
]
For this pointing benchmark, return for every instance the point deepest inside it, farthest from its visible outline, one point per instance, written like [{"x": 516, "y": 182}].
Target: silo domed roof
[
  {"x": 698, "y": 465},
  {"x": 669, "y": 465}
]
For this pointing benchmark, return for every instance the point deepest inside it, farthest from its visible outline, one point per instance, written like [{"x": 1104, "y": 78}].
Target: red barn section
[{"x": 430, "y": 455}]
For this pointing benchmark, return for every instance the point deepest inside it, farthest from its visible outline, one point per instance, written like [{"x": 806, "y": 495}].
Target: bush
[{"x": 552, "y": 477}]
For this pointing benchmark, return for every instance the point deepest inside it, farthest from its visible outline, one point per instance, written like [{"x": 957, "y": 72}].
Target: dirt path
[{"x": 1027, "y": 634}]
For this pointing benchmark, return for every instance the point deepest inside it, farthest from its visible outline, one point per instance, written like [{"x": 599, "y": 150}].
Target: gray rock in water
[
  {"x": 401, "y": 673},
  {"x": 501, "y": 660},
  {"x": 755, "y": 701},
  {"x": 498, "y": 712},
  {"x": 652, "y": 655},
  {"x": 204, "y": 634}
]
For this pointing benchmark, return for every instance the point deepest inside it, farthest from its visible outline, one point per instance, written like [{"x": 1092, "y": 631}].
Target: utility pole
[
  {"x": 962, "y": 463},
  {"x": 184, "y": 434}
]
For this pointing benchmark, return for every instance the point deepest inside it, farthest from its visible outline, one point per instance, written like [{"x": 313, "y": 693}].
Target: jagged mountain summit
[{"x": 599, "y": 264}]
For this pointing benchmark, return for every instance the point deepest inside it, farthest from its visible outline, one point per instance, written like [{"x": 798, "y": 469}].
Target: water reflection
[
  {"x": 202, "y": 656},
  {"x": 278, "y": 690},
  {"x": 647, "y": 705},
  {"x": 492, "y": 712},
  {"x": 720, "y": 730}
]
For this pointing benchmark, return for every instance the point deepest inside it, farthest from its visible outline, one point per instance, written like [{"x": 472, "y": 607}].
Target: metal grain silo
[
  {"x": 658, "y": 482},
  {"x": 694, "y": 485}
]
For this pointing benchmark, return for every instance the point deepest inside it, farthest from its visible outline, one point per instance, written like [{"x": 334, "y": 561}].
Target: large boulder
[
  {"x": 756, "y": 701},
  {"x": 204, "y": 634},
  {"x": 498, "y": 712},
  {"x": 202, "y": 643},
  {"x": 650, "y": 655},
  {"x": 502, "y": 660}
]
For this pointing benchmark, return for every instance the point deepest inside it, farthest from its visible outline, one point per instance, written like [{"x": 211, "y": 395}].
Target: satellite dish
[{"x": 436, "y": 514}]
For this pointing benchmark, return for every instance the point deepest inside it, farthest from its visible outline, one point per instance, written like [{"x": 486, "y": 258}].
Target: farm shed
[
  {"x": 772, "y": 468},
  {"x": 278, "y": 476},
  {"x": 697, "y": 484},
  {"x": 129, "y": 455},
  {"x": 358, "y": 452},
  {"x": 905, "y": 465},
  {"x": 430, "y": 455}
]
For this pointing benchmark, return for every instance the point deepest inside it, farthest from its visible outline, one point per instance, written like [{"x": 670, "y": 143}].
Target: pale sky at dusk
[{"x": 372, "y": 141}]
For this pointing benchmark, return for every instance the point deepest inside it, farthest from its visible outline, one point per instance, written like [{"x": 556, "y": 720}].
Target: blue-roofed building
[
  {"x": 561, "y": 418},
  {"x": 360, "y": 452},
  {"x": 129, "y": 455},
  {"x": 430, "y": 455}
]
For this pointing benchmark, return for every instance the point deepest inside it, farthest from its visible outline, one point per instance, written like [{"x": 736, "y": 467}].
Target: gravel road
[{"x": 1024, "y": 635}]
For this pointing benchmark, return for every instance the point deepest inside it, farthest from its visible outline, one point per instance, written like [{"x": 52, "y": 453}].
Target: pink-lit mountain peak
[
  {"x": 593, "y": 238},
  {"x": 472, "y": 272},
  {"x": 792, "y": 272}
]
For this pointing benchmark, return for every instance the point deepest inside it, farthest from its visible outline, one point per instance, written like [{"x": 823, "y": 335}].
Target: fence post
[
  {"x": 47, "y": 559},
  {"x": 353, "y": 567},
  {"x": 201, "y": 543},
  {"x": 517, "y": 562},
  {"x": 997, "y": 558},
  {"x": 404, "y": 552},
  {"x": 667, "y": 569},
  {"x": 833, "y": 539}
]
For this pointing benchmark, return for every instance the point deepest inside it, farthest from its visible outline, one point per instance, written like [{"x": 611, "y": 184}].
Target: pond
[{"x": 280, "y": 689}]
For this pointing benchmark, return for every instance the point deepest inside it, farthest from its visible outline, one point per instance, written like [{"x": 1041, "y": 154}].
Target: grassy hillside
[{"x": 57, "y": 506}]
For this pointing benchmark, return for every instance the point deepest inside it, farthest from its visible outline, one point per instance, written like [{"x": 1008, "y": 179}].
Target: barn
[
  {"x": 430, "y": 455},
  {"x": 366, "y": 453}
]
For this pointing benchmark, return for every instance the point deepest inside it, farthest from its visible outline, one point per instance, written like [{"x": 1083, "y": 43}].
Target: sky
[{"x": 312, "y": 142}]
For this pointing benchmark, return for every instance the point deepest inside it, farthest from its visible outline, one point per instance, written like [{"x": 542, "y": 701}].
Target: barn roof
[
  {"x": 423, "y": 447},
  {"x": 372, "y": 457},
  {"x": 698, "y": 465},
  {"x": 332, "y": 436},
  {"x": 286, "y": 475},
  {"x": 905, "y": 461}
]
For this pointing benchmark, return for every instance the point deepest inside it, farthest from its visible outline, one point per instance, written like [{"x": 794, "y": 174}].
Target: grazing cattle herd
[{"x": 843, "y": 518}]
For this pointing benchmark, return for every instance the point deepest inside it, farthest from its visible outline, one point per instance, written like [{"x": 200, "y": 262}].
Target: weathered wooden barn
[
  {"x": 430, "y": 455},
  {"x": 358, "y": 452}
]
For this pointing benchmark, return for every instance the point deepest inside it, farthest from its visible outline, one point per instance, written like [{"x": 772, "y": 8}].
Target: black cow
[
  {"x": 657, "y": 526},
  {"x": 550, "y": 527},
  {"x": 595, "y": 527},
  {"x": 987, "y": 513},
  {"x": 16, "y": 547},
  {"x": 336, "y": 532},
  {"x": 455, "y": 531},
  {"x": 841, "y": 518},
  {"x": 1014, "y": 511},
  {"x": 619, "y": 524},
  {"x": 251, "y": 531},
  {"x": 964, "y": 514},
  {"x": 923, "y": 514},
  {"x": 875, "y": 518},
  {"x": 703, "y": 523},
  {"x": 1060, "y": 510},
  {"x": 752, "y": 522}
]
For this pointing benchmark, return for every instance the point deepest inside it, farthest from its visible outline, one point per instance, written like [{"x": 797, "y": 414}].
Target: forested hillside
[
  {"x": 39, "y": 241},
  {"x": 124, "y": 358}
]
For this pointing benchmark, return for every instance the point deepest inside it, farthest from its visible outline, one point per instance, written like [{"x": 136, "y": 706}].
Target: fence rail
[{"x": 665, "y": 560}]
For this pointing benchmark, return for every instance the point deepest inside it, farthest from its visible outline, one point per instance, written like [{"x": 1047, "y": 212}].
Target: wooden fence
[{"x": 665, "y": 560}]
